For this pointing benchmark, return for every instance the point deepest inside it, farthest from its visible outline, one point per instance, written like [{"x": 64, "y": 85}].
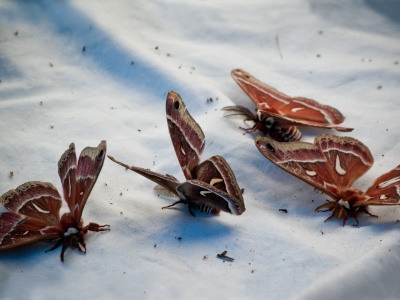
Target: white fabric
[{"x": 341, "y": 53}]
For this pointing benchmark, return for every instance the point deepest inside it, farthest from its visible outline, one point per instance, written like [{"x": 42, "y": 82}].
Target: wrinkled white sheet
[{"x": 341, "y": 53}]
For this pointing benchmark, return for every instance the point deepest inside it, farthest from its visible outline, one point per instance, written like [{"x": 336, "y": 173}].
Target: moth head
[{"x": 268, "y": 123}]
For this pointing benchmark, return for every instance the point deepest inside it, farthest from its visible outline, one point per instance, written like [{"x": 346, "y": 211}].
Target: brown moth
[
  {"x": 211, "y": 185},
  {"x": 34, "y": 207},
  {"x": 331, "y": 165},
  {"x": 279, "y": 114}
]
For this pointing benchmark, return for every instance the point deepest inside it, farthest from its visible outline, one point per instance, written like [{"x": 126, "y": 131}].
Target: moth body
[
  {"x": 210, "y": 186},
  {"x": 331, "y": 164}
]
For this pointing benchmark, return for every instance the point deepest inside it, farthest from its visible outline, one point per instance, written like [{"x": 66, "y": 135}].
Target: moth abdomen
[{"x": 208, "y": 209}]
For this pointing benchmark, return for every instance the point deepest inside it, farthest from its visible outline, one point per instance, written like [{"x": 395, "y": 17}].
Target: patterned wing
[
  {"x": 35, "y": 199},
  {"x": 87, "y": 171},
  {"x": 385, "y": 190},
  {"x": 67, "y": 173},
  {"x": 186, "y": 135},
  {"x": 167, "y": 181},
  {"x": 299, "y": 110},
  {"x": 216, "y": 172},
  {"x": 331, "y": 164},
  {"x": 18, "y": 230},
  {"x": 348, "y": 158},
  {"x": 279, "y": 116},
  {"x": 208, "y": 198},
  {"x": 34, "y": 215},
  {"x": 301, "y": 159}
]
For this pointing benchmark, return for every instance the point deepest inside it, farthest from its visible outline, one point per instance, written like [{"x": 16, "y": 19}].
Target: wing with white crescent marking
[
  {"x": 186, "y": 135},
  {"x": 34, "y": 215}
]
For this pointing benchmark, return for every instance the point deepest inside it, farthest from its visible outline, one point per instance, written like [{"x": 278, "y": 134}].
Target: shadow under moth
[
  {"x": 279, "y": 114},
  {"x": 210, "y": 186},
  {"x": 34, "y": 207},
  {"x": 331, "y": 165}
]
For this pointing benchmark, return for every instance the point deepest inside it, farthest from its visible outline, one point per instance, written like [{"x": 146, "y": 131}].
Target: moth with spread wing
[
  {"x": 211, "y": 186},
  {"x": 34, "y": 207},
  {"x": 331, "y": 165},
  {"x": 278, "y": 114}
]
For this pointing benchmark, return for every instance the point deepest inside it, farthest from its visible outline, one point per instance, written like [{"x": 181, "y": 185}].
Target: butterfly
[
  {"x": 210, "y": 186},
  {"x": 331, "y": 165},
  {"x": 34, "y": 207},
  {"x": 279, "y": 114}
]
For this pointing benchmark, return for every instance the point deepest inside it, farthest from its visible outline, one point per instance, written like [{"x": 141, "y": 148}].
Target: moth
[
  {"x": 34, "y": 207},
  {"x": 331, "y": 165},
  {"x": 210, "y": 186},
  {"x": 278, "y": 115}
]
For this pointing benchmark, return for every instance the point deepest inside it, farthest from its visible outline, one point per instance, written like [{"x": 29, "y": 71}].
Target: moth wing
[
  {"x": 298, "y": 109},
  {"x": 167, "y": 181},
  {"x": 385, "y": 190},
  {"x": 301, "y": 159},
  {"x": 67, "y": 173},
  {"x": 259, "y": 92},
  {"x": 348, "y": 158},
  {"x": 34, "y": 214},
  {"x": 216, "y": 172},
  {"x": 88, "y": 169},
  {"x": 18, "y": 230},
  {"x": 208, "y": 198},
  {"x": 292, "y": 120},
  {"x": 186, "y": 135},
  {"x": 35, "y": 199}
]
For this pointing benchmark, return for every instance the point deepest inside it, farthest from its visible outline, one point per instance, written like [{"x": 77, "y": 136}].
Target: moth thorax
[
  {"x": 344, "y": 203},
  {"x": 349, "y": 197},
  {"x": 70, "y": 231}
]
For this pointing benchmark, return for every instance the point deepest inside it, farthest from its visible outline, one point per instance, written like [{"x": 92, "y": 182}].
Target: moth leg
[
  {"x": 56, "y": 245},
  {"x": 181, "y": 201},
  {"x": 191, "y": 211},
  {"x": 96, "y": 227},
  {"x": 346, "y": 217},
  {"x": 258, "y": 126},
  {"x": 365, "y": 210},
  {"x": 330, "y": 217},
  {"x": 355, "y": 218},
  {"x": 330, "y": 205},
  {"x": 67, "y": 242},
  {"x": 175, "y": 203}
]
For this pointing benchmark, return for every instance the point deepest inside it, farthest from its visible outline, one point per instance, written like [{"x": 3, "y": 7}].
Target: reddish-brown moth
[
  {"x": 278, "y": 114},
  {"x": 211, "y": 185},
  {"x": 34, "y": 207},
  {"x": 331, "y": 165}
]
